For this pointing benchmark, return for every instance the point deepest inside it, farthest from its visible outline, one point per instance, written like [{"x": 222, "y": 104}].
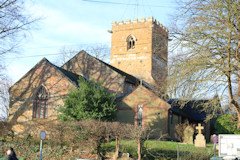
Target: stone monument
[
  {"x": 200, "y": 139},
  {"x": 188, "y": 135}
]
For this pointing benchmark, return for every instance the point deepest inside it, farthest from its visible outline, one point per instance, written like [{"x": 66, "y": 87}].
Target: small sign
[
  {"x": 229, "y": 145},
  {"x": 42, "y": 135}
]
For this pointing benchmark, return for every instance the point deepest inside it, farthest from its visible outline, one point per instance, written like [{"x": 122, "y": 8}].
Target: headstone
[
  {"x": 188, "y": 135},
  {"x": 215, "y": 141},
  {"x": 200, "y": 139}
]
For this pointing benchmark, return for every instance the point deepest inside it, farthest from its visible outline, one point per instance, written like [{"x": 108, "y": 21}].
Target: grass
[
  {"x": 154, "y": 150},
  {"x": 163, "y": 149}
]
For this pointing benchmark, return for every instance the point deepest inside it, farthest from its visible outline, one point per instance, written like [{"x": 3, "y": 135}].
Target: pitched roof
[
  {"x": 129, "y": 78},
  {"x": 71, "y": 76},
  {"x": 192, "y": 109}
]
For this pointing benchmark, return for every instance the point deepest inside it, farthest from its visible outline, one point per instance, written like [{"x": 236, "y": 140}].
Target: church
[{"x": 137, "y": 74}]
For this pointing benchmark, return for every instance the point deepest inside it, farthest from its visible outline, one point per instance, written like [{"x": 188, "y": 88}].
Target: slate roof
[
  {"x": 190, "y": 109},
  {"x": 72, "y": 76},
  {"x": 129, "y": 78}
]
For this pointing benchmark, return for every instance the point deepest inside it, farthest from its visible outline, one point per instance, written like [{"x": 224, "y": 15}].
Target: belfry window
[
  {"x": 131, "y": 42},
  {"x": 40, "y": 103}
]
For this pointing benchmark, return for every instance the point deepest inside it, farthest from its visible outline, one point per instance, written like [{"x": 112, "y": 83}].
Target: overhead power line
[
  {"x": 61, "y": 53},
  {"x": 133, "y": 4}
]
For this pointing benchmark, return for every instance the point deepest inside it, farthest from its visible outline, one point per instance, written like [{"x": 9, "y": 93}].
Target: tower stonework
[{"x": 139, "y": 48}]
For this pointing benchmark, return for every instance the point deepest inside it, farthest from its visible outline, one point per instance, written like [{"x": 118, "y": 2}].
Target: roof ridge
[{"x": 41, "y": 61}]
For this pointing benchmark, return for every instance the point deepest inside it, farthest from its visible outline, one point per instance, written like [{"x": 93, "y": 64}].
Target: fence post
[{"x": 178, "y": 152}]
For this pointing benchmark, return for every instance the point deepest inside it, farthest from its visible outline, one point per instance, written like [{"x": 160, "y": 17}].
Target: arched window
[
  {"x": 131, "y": 42},
  {"x": 40, "y": 103}
]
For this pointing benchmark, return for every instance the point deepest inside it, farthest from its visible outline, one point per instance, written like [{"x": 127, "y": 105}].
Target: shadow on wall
[
  {"x": 97, "y": 70},
  {"x": 22, "y": 95},
  {"x": 158, "y": 126},
  {"x": 156, "y": 121},
  {"x": 57, "y": 82},
  {"x": 125, "y": 114}
]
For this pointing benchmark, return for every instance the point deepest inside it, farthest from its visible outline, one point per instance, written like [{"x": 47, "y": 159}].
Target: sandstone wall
[
  {"x": 155, "y": 110},
  {"x": 93, "y": 69},
  {"x": 150, "y": 53},
  {"x": 23, "y": 95}
]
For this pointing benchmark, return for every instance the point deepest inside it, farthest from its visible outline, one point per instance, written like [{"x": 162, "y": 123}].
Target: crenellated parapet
[{"x": 142, "y": 20}]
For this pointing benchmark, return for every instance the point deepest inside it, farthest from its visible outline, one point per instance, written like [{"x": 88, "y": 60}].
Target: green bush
[
  {"x": 89, "y": 101},
  {"x": 227, "y": 124}
]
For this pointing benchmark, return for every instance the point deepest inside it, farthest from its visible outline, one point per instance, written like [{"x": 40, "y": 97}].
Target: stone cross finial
[{"x": 199, "y": 128}]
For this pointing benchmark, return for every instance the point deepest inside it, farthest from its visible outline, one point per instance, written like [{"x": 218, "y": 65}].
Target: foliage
[
  {"x": 5, "y": 131},
  {"x": 179, "y": 128},
  {"x": 226, "y": 124},
  {"x": 140, "y": 135},
  {"x": 118, "y": 131},
  {"x": 88, "y": 101},
  {"x": 208, "y": 33},
  {"x": 94, "y": 134},
  {"x": 29, "y": 149},
  {"x": 62, "y": 134}
]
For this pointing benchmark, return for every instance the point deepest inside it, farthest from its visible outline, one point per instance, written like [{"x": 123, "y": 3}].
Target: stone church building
[{"x": 137, "y": 74}]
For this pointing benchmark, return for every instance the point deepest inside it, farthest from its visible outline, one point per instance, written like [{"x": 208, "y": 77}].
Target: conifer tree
[{"x": 88, "y": 101}]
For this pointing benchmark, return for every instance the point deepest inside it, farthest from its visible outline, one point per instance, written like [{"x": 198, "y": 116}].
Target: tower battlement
[
  {"x": 142, "y": 20},
  {"x": 139, "y": 48}
]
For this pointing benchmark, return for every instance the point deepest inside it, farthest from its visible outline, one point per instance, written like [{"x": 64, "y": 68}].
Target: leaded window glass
[{"x": 40, "y": 103}]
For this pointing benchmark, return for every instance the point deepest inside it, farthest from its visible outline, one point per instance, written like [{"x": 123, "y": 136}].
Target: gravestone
[
  {"x": 200, "y": 139},
  {"x": 188, "y": 135},
  {"x": 215, "y": 141}
]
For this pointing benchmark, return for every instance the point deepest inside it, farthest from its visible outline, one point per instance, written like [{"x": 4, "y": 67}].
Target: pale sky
[{"x": 77, "y": 24}]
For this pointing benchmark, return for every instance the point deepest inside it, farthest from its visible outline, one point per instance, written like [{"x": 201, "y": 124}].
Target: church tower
[{"x": 139, "y": 48}]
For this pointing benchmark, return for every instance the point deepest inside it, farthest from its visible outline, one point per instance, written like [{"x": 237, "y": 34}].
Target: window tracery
[
  {"x": 40, "y": 103},
  {"x": 131, "y": 42}
]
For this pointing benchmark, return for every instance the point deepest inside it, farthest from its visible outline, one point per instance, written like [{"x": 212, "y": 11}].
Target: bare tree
[
  {"x": 118, "y": 131},
  {"x": 99, "y": 51},
  {"x": 209, "y": 36},
  {"x": 94, "y": 134},
  {"x": 14, "y": 24},
  {"x": 140, "y": 135},
  {"x": 4, "y": 97}
]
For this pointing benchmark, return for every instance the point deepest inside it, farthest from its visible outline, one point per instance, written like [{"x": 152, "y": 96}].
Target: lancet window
[{"x": 40, "y": 103}]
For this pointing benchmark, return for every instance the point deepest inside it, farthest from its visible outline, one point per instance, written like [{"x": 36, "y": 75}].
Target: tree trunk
[
  {"x": 238, "y": 116},
  {"x": 229, "y": 80},
  {"x": 139, "y": 149},
  {"x": 232, "y": 100},
  {"x": 117, "y": 148}
]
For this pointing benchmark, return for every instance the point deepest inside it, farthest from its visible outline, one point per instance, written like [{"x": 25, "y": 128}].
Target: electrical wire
[
  {"x": 118, "y": 3},
  {"x": 87, "y": 50}
]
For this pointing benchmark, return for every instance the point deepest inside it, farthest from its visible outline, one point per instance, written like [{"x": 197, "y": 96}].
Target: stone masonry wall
[
  {"x": 138, "y": 61},
  {"x": 93, "y": 69},
  {"x": 23, "y": 94},
  {"x": 155, "y": 110}
]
